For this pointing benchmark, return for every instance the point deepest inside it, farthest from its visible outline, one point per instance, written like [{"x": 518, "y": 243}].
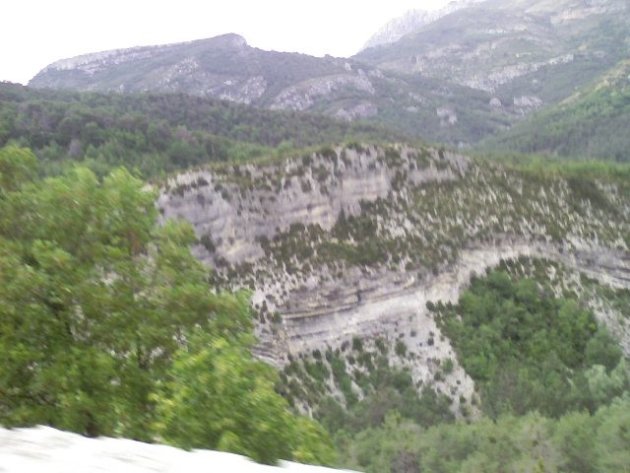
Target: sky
[{"x": 35, "y": 33}]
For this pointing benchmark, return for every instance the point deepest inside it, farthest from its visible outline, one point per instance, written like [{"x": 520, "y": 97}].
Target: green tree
[
  {"x": 99, "y": 306},
  {"x": 529, "y": 350},
  {"x": 613, "y": 437},
  {"x": 17, "y": 165},
  {"x": 95, "y": 299},
  {"x": 217, "y": 396}
]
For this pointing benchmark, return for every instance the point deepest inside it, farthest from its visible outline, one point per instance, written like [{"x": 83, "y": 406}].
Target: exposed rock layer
[{"x": 270, "y": 227}]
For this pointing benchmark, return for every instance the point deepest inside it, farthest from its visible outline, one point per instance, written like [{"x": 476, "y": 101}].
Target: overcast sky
[{"x": 35, "y": 33}]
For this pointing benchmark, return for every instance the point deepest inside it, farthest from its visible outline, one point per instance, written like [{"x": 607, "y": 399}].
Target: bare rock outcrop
[{"x": 355, "y": 242}]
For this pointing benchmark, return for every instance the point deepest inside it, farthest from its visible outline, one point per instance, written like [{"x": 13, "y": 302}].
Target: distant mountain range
[
  {"x": 515, "y": 48},
  {"x": 226, "y": 67},
  {"x": 457, "y": 76}
]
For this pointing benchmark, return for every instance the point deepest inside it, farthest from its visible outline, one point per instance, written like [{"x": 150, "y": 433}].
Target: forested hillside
[
  {"x": 593, "y": 122},
  {"x": 157, "y": 134}
]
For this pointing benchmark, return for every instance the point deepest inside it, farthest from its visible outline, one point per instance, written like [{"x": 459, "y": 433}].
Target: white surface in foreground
[{"x": 47, "y": 450}]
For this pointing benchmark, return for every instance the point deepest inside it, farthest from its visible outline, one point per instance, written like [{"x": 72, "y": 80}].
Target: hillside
[
  {"x": 389, "y": 285},
  {"x": 227, "y": 68},
  {"x": 353, "y": 243},
  {"x": 591, "y": 122},
  {"x": 158, "y": 133},
  {"x": 525, "y": 53}
]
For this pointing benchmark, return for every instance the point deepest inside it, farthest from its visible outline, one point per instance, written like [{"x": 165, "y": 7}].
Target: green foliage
[
  {"x": 366, "y": 389},
  {"x": 17, "y": 166},
  {"x": 577, "y": 442},
  {"x": 93, "y": 295},
  {"x": 401, "y": 349},
  {"x": 157, "y": 134},
  {"x": 528, "y": 350},
  {"x": 101, "y": 320},
  {"x": 217, "y": 396}
]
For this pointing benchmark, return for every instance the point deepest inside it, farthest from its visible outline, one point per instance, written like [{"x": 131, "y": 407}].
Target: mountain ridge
[
  {"x": 227, "y": 68},
  {"x": 457, "y": 79}
]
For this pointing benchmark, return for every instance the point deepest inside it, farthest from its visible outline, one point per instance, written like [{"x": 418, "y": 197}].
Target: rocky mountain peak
[
  {"x": 395, "y": 29},
  {"x": 229, "y": 40}
]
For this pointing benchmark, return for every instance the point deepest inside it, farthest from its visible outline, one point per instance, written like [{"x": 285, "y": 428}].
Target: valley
[{"x": 414, "y": 259}]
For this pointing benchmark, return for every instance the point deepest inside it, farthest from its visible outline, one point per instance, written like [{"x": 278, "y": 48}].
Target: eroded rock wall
[{"x": 271, "y": 228}]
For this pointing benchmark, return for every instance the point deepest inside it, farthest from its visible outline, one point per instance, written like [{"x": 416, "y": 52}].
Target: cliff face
[
  {"x": 248, "y": 204},
  {"x": 354, "y": 242}
]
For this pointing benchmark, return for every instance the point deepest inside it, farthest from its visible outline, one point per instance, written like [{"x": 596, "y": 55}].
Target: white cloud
[{"x": 37, "y": 32}]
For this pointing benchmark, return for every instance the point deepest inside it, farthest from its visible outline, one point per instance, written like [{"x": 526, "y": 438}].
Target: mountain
[
  {"x": 525, "y": 53},
  {"x": 227, "y": 68},
  {"x": 591, "y": 122},
  {"x": 454, "y": 76},
  {"x": 411, "y": 21}
]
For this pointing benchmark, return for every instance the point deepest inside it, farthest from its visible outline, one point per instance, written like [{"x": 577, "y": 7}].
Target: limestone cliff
[{"x": 352, "y": 243}]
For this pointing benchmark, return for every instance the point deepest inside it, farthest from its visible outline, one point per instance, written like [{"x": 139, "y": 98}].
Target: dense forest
[{"x": 155, "y": 134}]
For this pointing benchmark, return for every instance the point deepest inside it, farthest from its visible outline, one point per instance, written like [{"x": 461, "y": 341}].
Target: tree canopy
[{"x": 108, "y": 325}]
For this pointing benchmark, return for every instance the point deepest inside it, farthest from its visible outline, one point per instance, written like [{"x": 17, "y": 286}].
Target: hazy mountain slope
[
  {"x": 525, "y": 52},
  {"x": 223, "y": 67},
  {"x": 227, "y": 68},
  {"x": 592, "y": 122},
  {"x": 411, "y": 21}
]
